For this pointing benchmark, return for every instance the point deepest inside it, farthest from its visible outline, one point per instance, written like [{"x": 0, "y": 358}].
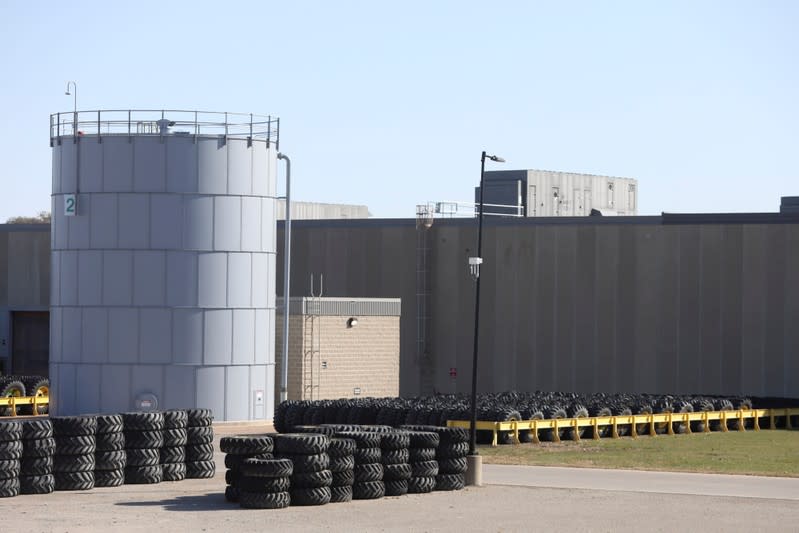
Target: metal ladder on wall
[{"x": 312, "y": 344}]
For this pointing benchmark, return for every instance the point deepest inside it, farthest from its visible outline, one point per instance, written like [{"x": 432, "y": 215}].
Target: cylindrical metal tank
[{"x": 163, "y": 262}]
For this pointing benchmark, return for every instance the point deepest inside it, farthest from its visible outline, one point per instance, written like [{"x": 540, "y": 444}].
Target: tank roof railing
[{"x": 160, "y": 122}]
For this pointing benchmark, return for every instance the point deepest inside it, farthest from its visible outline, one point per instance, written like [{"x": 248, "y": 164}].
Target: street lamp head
[
  {"x": 496, "y": 158},
  {"x": 68, "y": 93}
]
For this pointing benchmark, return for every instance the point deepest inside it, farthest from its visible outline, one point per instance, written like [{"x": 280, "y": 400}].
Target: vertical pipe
[{"x": 284, "y": 369}]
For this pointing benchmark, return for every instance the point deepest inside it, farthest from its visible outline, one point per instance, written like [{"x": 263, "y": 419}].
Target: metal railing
[
  {"x": 160, "y": 122},
  {"x": 738, "y": 419}
]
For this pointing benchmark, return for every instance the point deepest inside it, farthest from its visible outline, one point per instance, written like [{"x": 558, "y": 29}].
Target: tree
[{"x": 42, "y": 218}]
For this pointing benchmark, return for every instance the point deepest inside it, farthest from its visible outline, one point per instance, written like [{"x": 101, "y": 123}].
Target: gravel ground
[{"x": 199, "y": 505}]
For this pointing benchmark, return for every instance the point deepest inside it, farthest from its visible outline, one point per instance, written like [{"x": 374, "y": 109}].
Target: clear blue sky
[{"x": 389, "y": 104}]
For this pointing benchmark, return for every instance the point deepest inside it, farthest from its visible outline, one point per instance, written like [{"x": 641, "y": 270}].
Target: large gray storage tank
[{"x": 163, "y": 280}]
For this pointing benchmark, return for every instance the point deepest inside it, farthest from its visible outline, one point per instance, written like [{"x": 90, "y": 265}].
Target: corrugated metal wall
[{"x": 634, "y": 305}]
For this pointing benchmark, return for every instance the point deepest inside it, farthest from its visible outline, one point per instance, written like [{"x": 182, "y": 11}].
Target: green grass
[{"x": 767, "y": 452}]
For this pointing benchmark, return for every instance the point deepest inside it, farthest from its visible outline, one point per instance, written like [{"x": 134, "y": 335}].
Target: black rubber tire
[
  {"x": 368, "y": 455},
  {"x": 308, "y": 463},
  {"x": 446, "y": 435},
  {"x": 108, "y": 424},
  {"x": 421, "y": 454},
  {"x": 175, "y": 437},
  {"x": 34, "y": 428},
  {"x": 453, "y": 451},
  {"x": 264, "y": 500},
  {"x": 173, "y": 471},
  {"x": 176, "y": 419},
  {"x": 143, "y": 439},
  {"x": 452, "y": 466},
  {"x": 115, "y": 460},
  {"x": 424, "y": 469},
  {"x": 78, "y": 445},
  {"x": 9, "y": 388},
  {"x": 341, "y": 447},
  {"x": 301, "y": 443},
  {"x": 199, "y": 435},
  {"x": 397, "y": 487},
  {"x": 369, "y": 490},
  {"x": 423, "y": 439},
  {"x": 141, "y": 457},
  {"x": 11, "y": 430},
  {"x": 38, "y": 447},
  {"x": 143, "y": 421},
  {"x": 395, "y": 440},
  {"x": 341, "y": 494},
  {"x": 199, "y": 452},
  {"x": 74, "y": 481},
  {"x": 450, "y": 482},
  {"x": 344, "y": 478},
  {"x": 394, "y": 457},
  {"x": 44, "y": 484},
  {"x": 171, "y": 455},
  {"x": 368, "y": 472},
  {"x": 11, "y": 449},
  {"x": 199, "y": 417},
  {"x": 73, "y": 463},
  {"x": 315, "y": 496},
  {"x": 268, "y": 468},
  {"x": 109, "y": 442},
  {"x": 341, "y": 464},
  {"x": 109, "y": 478},
  {"x": 36, "y": 466},
  {"x": 200, "y": 469},
  {"x": 363, "y": 439},
  {"x": 263, "y": 484},
  {"x": 10, "y": 468},
  {"x": 9, "y": 487},
  {"x": 397, "y": 472},
  {"x": 143, "y": 475},
  {"x": 313, "y": 429},
  {"x": 234, "y": 462},
  {"x": 72, "y": 426},
  {"x": 311, "y": 480},
  {"x": 421, "y": 485},
  {"x": 246, "y": 445},
  {"x": 231, "y": 494}
]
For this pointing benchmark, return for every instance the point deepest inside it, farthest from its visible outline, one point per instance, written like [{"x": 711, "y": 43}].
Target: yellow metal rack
[
  {"x": 652, "y": 421},
  {"x": 16, "y": 401}
]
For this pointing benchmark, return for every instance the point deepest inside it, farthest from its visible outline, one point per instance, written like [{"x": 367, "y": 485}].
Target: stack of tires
[
  {"x": 342, "y": 465},
  {"x": 368, "y": 472},
  {"x": 200, "y": 444},
  {"x": 36, "y": 465},
  {"x": 110, "y": 458},
  {"x": 422, "y": 458},
  {"x": 75, "y": 444},
  {"x": 144, "y": 439},
  {"x": 451, "y": 456},
  {"x": 395, "y": 457},
  {"x": 172, "y": 456},
  {"x": 311, "y": 478},
  {"x": 264, "y": 483},
  {"x": 10, "y": 454},
  {"x": 237, "y": 450}
]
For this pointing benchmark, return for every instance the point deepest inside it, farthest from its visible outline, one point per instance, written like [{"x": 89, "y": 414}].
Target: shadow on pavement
[{"x": 206, "y": 502}]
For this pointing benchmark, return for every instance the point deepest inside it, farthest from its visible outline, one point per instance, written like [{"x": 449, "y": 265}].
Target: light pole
[
  {"x": 474, "y": 476},
  {"x": 284, "y": 369},
  {"x": 74, "y": 94}
]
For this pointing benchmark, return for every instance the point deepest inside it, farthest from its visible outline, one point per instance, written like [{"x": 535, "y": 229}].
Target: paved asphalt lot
[{"x": 513, "y": 499}]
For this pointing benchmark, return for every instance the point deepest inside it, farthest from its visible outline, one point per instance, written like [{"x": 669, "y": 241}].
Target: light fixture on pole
[
  {"x": 474, "y": 475},
  {"x": 284, "y": 369},
  {"x": 74, "y": 95}
]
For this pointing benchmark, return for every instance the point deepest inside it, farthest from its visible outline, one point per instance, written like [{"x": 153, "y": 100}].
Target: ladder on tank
[{"x": 312, "y": 344}]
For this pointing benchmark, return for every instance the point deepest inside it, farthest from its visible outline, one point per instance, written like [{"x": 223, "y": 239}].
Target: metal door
[
  {"x": 30, "y": 342},
  {"x": 578, "y": 203},
  {"x": 555, "y": 201},
  {"x": 532, "y": 202}
]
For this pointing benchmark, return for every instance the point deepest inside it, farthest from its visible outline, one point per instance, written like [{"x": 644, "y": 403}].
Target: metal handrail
[{"x": 181, "y": 122}]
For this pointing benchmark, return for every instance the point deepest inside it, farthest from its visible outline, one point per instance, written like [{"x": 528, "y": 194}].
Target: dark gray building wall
[{"x": 638, "y": 304}]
